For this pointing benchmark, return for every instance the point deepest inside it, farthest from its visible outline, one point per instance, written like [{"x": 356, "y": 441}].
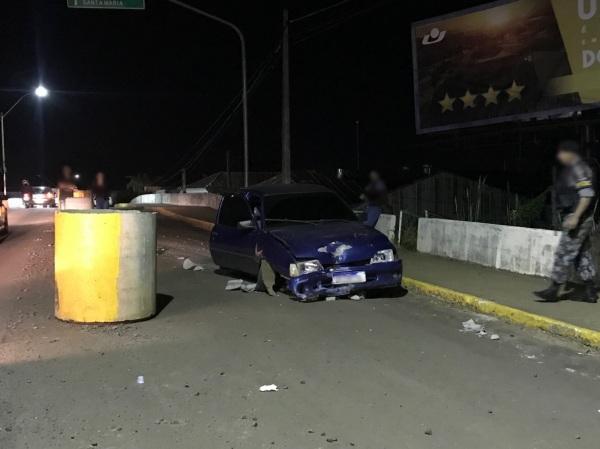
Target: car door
[{"x": 233, "y": 239}]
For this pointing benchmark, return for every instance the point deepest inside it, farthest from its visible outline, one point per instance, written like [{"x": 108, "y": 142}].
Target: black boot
[
  {"x": 591, "y": 294},
  {"x": 548, "y": 295}
]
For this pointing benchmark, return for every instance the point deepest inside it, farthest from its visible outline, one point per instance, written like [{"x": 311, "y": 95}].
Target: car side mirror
[{"x": 246, "y": 225}]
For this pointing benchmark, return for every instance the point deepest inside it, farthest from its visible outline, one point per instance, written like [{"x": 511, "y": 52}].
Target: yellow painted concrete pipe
[{"x": 105, "y": 265}]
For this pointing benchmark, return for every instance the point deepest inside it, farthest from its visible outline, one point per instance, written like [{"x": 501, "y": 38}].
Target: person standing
[
  {"x": 376, "y": 196},
  {"x": 66, "y": 185},
  {"x": 100, "y": 192},
  {"x": 575, "y": 195}
]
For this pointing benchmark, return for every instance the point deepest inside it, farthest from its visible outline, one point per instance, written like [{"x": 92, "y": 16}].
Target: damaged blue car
[{"x": 306, "y": 238}]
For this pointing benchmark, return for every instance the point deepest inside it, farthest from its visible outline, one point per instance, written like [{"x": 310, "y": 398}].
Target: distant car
[
  {"x": 39, "y": 196},
  {"x": 3, "y": 221},
  {"x": 309, "y": 237}
]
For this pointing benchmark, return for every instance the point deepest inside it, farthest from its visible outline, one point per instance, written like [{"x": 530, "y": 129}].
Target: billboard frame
[{"x": 542, "y": 115}]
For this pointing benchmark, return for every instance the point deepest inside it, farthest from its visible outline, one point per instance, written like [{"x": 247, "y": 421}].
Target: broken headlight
[
  {"x": 305, "y": 267},
  {"x": 385, "y": 255}
]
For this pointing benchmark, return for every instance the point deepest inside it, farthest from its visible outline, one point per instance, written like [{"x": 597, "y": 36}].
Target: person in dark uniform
[
  {"x": 376, "y": 197},
  {"x": 100, "y": 192},
  {"x": 575, "y": 196}
]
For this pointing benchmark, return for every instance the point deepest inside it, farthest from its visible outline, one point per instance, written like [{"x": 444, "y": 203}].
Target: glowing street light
[{"x": 40, "y": 92}]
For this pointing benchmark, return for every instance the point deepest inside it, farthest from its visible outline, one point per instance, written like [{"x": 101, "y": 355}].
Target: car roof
[{"x": 286, "y": 189}]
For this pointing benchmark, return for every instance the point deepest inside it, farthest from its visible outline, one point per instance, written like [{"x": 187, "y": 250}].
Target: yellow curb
[{"x": 586, "y": 336}]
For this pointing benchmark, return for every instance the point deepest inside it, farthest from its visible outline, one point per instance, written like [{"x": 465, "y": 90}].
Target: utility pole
[
  {"x": 244, "y": 76},
  {"x": 286, "y": 170}
]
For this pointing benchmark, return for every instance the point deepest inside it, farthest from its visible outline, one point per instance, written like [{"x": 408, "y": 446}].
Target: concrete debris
[
  {"x": 188, "y": 264},
  {"x": 495, "y": 337},
  {"x": 482, "y": 333},
  {"x": 331, "y": 440},
  {"x": 472, "y": 326},
  {"x": 140, "y": 380},
  {"x": 268, "y": 388}
]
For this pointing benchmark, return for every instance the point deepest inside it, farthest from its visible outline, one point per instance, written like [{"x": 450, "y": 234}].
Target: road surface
[{"x": 377, "y": 374}]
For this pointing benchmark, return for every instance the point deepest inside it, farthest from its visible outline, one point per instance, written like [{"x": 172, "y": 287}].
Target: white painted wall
[
  {"x": 511, "y": 248},
  {"x": 180, "y": 199}
]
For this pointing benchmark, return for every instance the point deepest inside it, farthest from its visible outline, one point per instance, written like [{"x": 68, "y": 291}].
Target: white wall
[
  {"x": 180, "y": 199},
  {"x": 521, "y": 250}
]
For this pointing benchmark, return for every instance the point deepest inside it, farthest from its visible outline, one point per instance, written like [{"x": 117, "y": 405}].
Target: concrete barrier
[
  {"x": 511, "y": 248},
  {"x": 387, "y": 226},
  {"x": 207, "y": 199},
  {"x": 105, "y": 266}
]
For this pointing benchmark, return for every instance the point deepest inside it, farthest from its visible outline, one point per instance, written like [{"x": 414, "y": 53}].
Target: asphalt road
[{"x": 378, "y": 373}]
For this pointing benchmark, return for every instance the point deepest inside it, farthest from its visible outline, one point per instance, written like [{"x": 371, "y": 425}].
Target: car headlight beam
[
  {"x": 385, "y": 255},
  {"x": 305, "y": 267}
]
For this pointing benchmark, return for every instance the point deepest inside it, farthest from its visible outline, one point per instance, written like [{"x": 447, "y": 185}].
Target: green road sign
[{"x": 107, "y": 4}]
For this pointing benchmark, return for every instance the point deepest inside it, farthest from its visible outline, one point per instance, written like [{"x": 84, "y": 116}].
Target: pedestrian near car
[
  {"x": 66, "y": 185},
  {"x": 376, "y": 196},
  {"x": 100, "y": 192},
  {"x": 575, "y": 195}
]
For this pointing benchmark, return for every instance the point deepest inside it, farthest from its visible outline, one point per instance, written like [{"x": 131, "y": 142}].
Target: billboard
[{"x": 504, "y": 61}]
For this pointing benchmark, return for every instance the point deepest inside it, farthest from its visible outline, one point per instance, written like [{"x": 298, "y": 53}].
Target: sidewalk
[{"x": 573, "y": 319}]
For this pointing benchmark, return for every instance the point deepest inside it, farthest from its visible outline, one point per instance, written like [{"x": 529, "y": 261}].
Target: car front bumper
[{"x": 320, "y": 284}]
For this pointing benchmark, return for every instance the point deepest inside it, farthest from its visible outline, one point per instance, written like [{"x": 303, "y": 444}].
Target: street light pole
[
  {"x": 286, "y": 164},
  {"x": 244, "y": 77}
]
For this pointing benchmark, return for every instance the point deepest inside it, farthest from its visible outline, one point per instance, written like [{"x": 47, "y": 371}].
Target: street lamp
[
  {"x": 40, "y": 92},
  {"x": 244, "y": 82}
]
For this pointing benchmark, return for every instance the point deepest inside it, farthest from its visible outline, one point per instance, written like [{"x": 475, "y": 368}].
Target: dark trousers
[
  {"x": 101, "y": 203},
  {"x": 574, "y": 248},
  {"x": 373, "y": 214}
]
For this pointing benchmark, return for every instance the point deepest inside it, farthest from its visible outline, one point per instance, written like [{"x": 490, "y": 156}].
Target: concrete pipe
[{"x": 105, "y": 265}]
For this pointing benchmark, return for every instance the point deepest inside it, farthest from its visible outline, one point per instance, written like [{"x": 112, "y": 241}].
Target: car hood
[{"x": 332, "y": 242}]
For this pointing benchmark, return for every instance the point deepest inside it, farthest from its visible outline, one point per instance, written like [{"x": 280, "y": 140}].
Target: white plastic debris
[
  {"x": 189, "y": 264},
  {"x": 495, "y": 337},
  {"x": 472, "y": 326},
  {"x": 570, "y": 370},
  {"x": 267, "y": 388},
  {"x": 357, "y": 297},
  {"x": 482, "y": 333},
  {"x": 234, "y": 284},
  {"x": 140, "y": 380},
  {"x": 330, "y": 298},
  {"x": 240, "y": 284},
  {"x": 181, "y": 258},
  {"x": 248, "y": 287}
]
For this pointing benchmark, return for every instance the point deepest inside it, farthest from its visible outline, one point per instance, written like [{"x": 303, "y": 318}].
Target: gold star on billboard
[
  {"x": 491, "y": 96},
  {"x": 514, "y": 91},
  {"x": 447, "y": 103},
  {"x": 468, "y": 99}
]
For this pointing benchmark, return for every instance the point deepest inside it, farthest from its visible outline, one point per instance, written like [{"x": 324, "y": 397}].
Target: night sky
[{"x": 134, "y": 91}]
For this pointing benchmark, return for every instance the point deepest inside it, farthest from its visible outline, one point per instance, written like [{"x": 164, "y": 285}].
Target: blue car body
[{"x": 312, "y": 224}]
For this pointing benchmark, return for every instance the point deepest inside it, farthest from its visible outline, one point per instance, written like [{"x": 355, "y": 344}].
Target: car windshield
[{"x": 309, "y": 207}]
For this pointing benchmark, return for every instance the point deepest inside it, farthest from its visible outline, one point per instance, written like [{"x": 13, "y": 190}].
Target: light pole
[
  {"x": 40, "y": 92},
  {"x": 244, "y": 81}
]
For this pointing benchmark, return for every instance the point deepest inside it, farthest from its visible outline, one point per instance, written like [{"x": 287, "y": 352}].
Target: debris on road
[
  {"x": 269, "y": 388},
  {"x": 330, "y": 298},
  {"x": 472, "y": 326},
  {"x": 570, "y": 370},
  {"x": 240, "y": 284},
  {"x": 234, "y": 284},
  {"x": 357, "y": 297},
  {"x": 428, "y": 432},
  {"x": 140, "y": 380},
  {"x": 495, "y": 337},
  {"x": 189, "y": 264}
]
